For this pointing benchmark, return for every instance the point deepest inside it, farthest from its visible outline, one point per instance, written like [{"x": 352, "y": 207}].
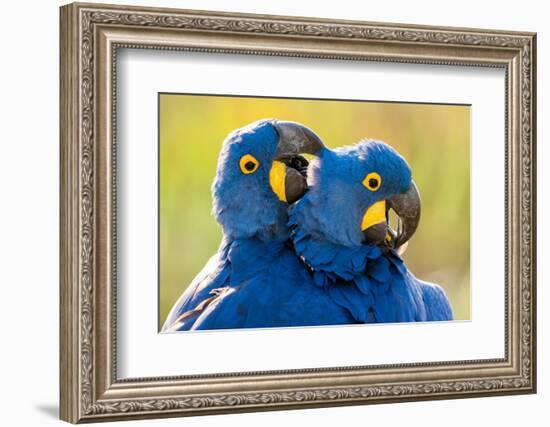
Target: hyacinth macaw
[
  {"x": 342, "y": 232},
  {"x": 255, "y": 279}
]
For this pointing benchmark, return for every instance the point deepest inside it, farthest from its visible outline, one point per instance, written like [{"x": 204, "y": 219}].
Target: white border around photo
[{"x": 143, "y": 352}]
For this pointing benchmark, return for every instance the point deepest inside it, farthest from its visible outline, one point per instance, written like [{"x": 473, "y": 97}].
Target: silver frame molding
[{"x": 90, "y": 37}]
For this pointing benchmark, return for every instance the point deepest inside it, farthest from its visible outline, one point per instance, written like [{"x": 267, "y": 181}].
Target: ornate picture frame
[{"x": 90, "y": 37}]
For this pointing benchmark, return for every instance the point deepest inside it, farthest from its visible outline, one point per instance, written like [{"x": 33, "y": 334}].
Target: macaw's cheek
[
  {"x": 373, "y": 223},
  {"x": 277, "y": 175},
  {"x": 375, "y": 214}
]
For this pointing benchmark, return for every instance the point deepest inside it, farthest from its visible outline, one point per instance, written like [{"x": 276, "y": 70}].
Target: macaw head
[
  {"x": 260, "y": 172},
  {"x": 340, "y": 228},
  {"x": 351, "y": 190}
]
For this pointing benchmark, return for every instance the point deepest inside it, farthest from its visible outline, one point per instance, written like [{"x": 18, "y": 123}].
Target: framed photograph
[{"x": 267, "y": 212}]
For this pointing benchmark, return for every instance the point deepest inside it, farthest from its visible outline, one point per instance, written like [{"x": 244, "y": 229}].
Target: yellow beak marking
[
  {"x": 375, "y": 214},
  {"x": 277, "y": 175}
]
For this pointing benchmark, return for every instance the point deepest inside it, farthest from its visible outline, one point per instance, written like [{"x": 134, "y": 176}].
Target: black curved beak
[
  {"x": 407, "y": 207},
  {"x": 288, "y": 181},
  {"x": 295, "y": 185},
  {"x": 295, "y": 139}
]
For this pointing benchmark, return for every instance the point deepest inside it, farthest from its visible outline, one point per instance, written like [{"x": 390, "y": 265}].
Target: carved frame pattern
[{"x": 84, "y": 395}]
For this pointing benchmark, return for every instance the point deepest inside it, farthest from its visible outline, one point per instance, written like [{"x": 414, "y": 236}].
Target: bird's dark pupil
[
  {"x": 249, "y": 166},
  {"x": 373, "y": 182}
]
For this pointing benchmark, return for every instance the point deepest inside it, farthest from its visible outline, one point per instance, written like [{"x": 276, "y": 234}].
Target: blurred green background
[{"x": 433, "y": 138}]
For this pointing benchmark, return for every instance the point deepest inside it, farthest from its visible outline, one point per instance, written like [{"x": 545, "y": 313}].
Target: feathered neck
[
  {"x": 334, "y": 262},
  {"x": 332, "y": 258},
  {"x": 373, "y": 284}
]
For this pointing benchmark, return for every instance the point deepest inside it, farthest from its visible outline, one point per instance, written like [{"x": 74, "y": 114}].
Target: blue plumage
[
  {"x": 214, "y": 275},
  {"x": 255, "y": 278},
  {"x": 244, "y": 205},
  {"x": 327, "y": 274},
  {"x": 269, "y": 287},
  {"x": 436, "y": 302},
  {"x": 370, "y": 281}
]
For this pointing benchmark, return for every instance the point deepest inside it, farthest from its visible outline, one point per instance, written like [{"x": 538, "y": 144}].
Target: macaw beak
[
  {"x": 287, "y": 182},
  {"x": 375, "y": 226},
  {"x": 295, "y": 139}
]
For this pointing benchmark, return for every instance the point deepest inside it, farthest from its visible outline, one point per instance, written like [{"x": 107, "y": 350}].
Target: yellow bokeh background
[{"x": 435, "y": 140}]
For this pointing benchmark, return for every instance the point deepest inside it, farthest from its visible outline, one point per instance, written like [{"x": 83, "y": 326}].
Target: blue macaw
[
  {"x": 255, "y": 279},
  {"x": 341, "y": 230}
]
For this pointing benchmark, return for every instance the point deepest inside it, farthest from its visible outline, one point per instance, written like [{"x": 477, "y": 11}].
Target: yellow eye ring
[
  {"x": 248, "y": 164},
  {"x": 372, "y": 181}
]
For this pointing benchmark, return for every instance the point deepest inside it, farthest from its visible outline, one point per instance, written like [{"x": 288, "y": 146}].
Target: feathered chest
[{"x": 373, "y": 284}]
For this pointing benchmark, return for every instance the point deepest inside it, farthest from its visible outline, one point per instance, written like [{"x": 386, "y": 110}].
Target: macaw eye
[
  {"x": 372, "y": 181},
  {"x": 248, "y": 164}
]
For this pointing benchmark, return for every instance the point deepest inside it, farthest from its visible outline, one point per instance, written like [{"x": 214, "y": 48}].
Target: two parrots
[{"x": 308, "y": 243}]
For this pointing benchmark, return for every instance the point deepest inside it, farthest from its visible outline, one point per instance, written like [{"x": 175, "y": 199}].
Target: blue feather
[
  {"x": 372, "y": 284},
  {"x": 329, "y": 276},
  {"x": 436, "y": 302},
  {"x": 215, "y": 274},
  {"x": 255, "y": 279},
  {"x": 246, "y": 208},
  {"x": 277, "y": 292}
]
